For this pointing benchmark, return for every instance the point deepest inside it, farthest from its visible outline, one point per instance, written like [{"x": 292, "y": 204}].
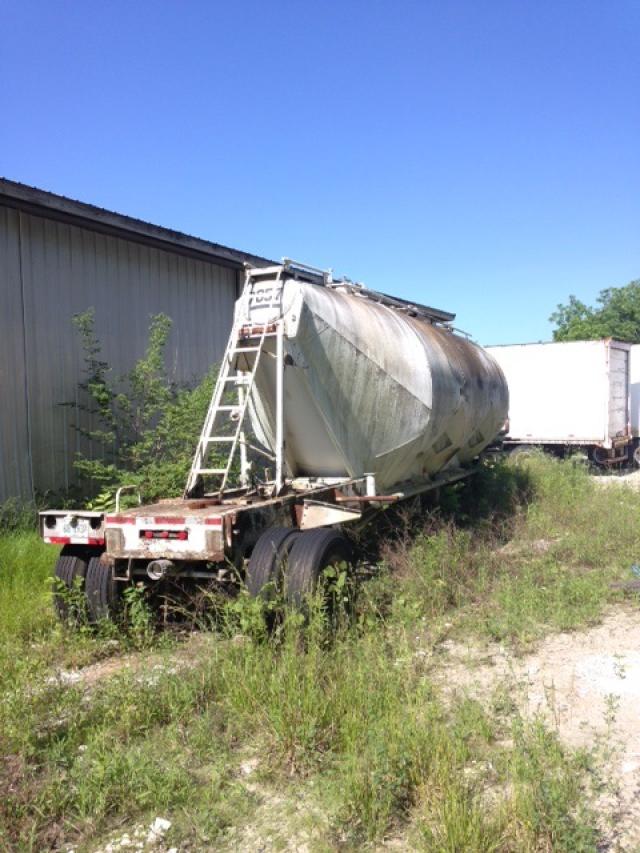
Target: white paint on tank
[{"x": 371, "y": 389}]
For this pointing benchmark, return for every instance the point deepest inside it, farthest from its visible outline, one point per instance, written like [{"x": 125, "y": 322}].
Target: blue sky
[{"x": 482, "y": 157}]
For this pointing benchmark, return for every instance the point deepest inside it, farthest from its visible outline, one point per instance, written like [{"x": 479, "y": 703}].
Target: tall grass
[
  {"x": 25, "y": 571},
  {"x": 550, "y": 562},
  {"x": 353, "y": 711},
  {"x": 342, "y": 706}
]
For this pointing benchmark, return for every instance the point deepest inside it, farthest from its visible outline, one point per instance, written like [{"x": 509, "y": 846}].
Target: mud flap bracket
[{"x": 321, "y": 514}]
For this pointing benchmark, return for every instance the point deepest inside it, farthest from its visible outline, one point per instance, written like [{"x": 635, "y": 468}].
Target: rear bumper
[{"x": 154, "y": 538}]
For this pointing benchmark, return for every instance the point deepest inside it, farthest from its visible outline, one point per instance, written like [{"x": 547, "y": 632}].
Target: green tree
[
  {"x": 146, "y": 426},
  {"x": 616, "y": 315}
]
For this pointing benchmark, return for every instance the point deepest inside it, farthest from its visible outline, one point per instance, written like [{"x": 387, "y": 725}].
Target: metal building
[{"x": 59, "y": 257}]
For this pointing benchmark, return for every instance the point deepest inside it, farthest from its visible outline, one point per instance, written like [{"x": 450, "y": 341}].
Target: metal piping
[{"x": 158, "y": 569}]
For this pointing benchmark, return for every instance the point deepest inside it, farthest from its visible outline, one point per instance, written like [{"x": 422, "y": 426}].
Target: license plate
[{"x": 81, "y": 528}]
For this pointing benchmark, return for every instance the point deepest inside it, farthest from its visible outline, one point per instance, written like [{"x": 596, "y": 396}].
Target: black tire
[
  {"x": 267, "y": 562},
  {"x": 521, "y": 452},
  {"x": 312, "y": 553},
  {"x": 69, "y": 566},
  {"x": 599, "y": 457},
  {"x": 101, "y": 591}
]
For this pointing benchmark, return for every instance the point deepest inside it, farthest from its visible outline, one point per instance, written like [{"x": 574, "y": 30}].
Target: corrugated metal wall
[
  {"x": 15, "y": 474},
  {"x": 50, "y": 270}
]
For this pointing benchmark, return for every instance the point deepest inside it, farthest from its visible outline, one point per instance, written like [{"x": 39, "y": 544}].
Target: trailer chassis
[
  {"x": 619, "y": 451},
  {"x": 215, "y": 539}
]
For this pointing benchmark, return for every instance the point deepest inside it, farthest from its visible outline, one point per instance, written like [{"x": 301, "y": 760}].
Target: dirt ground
[
  {"x": 630, "y": 479},
  {"x": 586, "y": 684}
]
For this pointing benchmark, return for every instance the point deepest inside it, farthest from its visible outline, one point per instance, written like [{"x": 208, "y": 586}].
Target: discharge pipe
[{"x": 158, "y": 569}]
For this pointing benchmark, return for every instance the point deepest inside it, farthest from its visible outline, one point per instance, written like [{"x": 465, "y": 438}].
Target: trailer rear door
[{"x": 619, "y": 415}]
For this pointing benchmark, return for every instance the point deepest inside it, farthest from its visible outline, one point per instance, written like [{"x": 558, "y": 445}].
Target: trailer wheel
[
  {"x": 522, "y": 452},
  {"x": 312, "y": 553},
  {"x": 267, "y": 561},
  {"x": 69, "y": 566},
  {"x": 101, "y": 591}
]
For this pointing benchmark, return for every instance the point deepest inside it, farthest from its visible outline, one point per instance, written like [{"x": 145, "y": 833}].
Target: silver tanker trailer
[{"x": 332, "y": 403}]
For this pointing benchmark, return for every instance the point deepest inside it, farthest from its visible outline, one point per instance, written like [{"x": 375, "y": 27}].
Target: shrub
[
  {"x": 145, "y": 425},
  {"x": 16, "y": 515}
]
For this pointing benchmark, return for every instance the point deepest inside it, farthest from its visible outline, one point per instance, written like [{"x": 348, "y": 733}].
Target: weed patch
[
  {"x": 342, "y": 703},
  {"x": 547, "y": 560}
]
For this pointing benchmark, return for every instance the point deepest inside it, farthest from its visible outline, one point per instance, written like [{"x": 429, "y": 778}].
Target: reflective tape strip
[{"x": 72, "y": 540}]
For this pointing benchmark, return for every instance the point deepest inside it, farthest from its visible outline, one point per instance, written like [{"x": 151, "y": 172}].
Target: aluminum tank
[{"x": 369, "y": 389}]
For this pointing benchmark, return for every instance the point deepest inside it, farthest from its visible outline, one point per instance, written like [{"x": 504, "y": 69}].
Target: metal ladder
[{"x": 242, "y": 382}]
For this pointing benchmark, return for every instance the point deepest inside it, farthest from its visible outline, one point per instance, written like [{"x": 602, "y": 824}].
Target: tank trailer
[{"x": 333, "y": 402}]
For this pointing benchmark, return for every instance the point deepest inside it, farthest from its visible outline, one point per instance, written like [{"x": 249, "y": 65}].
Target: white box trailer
[
  {"x": 634, "y": 390},
  {"x": 567, "y": 395}
]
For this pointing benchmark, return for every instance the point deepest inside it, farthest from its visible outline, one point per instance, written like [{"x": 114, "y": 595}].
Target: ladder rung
[
  {"x": 227, "y": 408},
  {"x": 211, "y": 471},
  {"x": 260, "y": 335},
  {"x": 213, "y": 438},
  {"x": 241, "y": 380},
  {"x": 245, "y": 349},
  {"x": 262, "y": 306}
]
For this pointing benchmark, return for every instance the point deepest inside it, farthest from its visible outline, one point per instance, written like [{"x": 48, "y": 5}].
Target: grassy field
[{"x": 332, "y": 733}]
